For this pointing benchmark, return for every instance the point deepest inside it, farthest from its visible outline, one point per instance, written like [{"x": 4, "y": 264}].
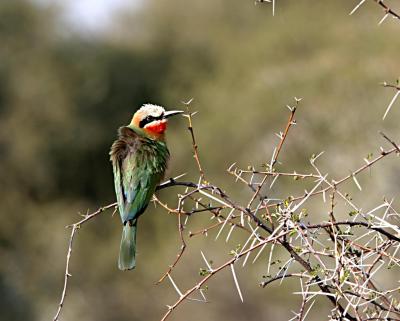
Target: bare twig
[
  {"x": 213, "y": 272},
  {"x": 390, "y": 141},
  {"x": 74, "y": 229},
  {"x": 387, "y": 9},
  {"x": 180, "y": 253},
  {"x": 194, "y": 144},
  {"x": 283, "y": 136}
]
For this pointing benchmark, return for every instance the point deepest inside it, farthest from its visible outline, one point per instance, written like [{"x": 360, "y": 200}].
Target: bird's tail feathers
[{"x": 127, "y": 251}]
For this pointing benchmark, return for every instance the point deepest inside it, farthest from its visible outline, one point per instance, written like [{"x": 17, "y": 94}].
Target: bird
[{"x": 139, "y": 158}]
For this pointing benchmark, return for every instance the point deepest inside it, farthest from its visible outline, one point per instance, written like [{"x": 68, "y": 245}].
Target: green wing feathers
[{"x": 139, "y": 163}]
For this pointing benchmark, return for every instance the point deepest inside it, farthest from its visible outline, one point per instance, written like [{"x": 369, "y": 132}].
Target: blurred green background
[{"x": 65, "y": 89}]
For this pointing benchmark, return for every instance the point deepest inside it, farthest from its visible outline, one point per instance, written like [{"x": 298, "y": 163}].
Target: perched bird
[{"x": 139, "y": 158}]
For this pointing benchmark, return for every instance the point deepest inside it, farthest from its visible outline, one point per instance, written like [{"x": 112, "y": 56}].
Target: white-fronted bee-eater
[{"x": 139, "y": 158}]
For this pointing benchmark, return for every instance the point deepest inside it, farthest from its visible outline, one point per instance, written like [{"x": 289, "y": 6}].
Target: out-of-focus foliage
[{"x": 62, "y": 97}]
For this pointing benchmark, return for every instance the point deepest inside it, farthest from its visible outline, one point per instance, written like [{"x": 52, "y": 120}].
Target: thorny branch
[
  {"x": 74, "y": 229},
  {"x": 180, "y": 229},
  {"x": 194, "y": 144},
  {"x": 336, "y": 259},
  {"x": 347, "y": 253},
  {"x": 283, "y": 135},
  {"x": 394, "y": 98},
  {"x": 276, "y": 152},
  {"x": 387, "y": 10},
  {"x": 212, "y": 272},
  {"x": 179, "y": 210}
]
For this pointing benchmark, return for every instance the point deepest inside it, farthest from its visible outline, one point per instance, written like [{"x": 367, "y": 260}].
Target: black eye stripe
[{"x": 149, "y": 119}]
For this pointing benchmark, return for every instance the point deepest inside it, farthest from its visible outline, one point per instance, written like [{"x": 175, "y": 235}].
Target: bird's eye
[{"x": 148, "y": 119}]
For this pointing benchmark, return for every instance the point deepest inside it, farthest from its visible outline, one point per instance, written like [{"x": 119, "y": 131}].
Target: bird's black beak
[{"x": 170, "y": 113}]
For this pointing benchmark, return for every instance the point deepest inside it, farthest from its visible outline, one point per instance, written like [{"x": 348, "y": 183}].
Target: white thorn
[
  {"x": 187, "y": 102},
  {"x": 230, "y": 167},
  {"x": 273, "y": 7},
  {"x": 383, "y": 19},
  {"x": 356, "y": 7},
  {"x": 391, "y": 104},
  {"x": 205, "y": 260},
  {"x": 259, "y": 253},
  {"x": 223, "y": 225},
  {"x": 236, "y": 282},
  {"x": 229, "y": 233},
  {"x": 356, "y": 182},
  {"x": 175, "y": 286}
]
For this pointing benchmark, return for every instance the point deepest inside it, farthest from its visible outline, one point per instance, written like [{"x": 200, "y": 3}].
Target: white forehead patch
[{"x": 152, "y": 110}]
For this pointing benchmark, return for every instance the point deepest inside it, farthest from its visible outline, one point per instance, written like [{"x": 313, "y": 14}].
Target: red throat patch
[{"x": 157, "y": 127}]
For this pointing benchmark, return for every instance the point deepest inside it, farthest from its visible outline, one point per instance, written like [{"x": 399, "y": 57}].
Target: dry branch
[{"x": 338, "y": 260}]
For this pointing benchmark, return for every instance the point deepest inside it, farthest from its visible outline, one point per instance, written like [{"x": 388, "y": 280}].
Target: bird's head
[{"x": 153, "y": 119}]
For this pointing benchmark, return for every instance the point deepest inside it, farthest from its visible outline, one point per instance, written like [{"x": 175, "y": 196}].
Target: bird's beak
[{"x": 170, "y": 113}]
